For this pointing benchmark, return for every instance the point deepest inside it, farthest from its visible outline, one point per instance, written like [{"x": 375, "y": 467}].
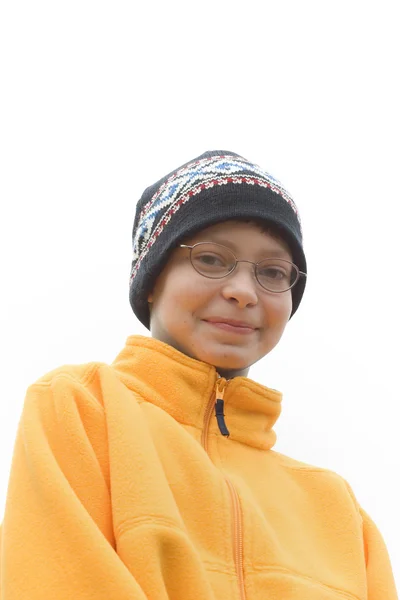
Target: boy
[{"x": 154, "y": 477}]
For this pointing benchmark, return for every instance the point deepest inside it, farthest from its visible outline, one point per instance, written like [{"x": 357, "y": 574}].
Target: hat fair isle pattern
[
  {"x": 185, "y": 184},
  {"x": 215, "y": 187}
]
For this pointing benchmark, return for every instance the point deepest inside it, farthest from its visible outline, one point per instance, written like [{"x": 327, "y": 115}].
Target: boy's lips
[{"x": 233, "y": 325}]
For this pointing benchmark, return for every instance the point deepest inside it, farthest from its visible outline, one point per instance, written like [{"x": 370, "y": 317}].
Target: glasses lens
[
  {"x": 212, "y": 260},
  {"x": 276, "y": 275}
]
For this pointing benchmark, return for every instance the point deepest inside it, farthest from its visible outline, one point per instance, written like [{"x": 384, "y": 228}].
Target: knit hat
[{"x": 217, "y": 186}]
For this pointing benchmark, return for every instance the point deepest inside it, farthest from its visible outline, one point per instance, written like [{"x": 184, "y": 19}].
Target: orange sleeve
[
  {"x": 380, "y": 580},
  {"x": 57, "y": 535}
]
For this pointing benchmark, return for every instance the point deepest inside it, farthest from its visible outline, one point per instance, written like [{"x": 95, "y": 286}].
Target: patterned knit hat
[{"x": 216, "y": 186}]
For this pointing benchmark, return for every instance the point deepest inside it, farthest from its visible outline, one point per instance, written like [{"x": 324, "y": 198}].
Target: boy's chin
[{"x": 226, "y": 361}]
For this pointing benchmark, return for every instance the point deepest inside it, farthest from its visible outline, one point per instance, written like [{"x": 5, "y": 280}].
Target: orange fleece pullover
[{"x": 123, "y": 487}]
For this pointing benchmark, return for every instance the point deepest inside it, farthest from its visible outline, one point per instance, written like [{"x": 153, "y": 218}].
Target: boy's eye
[
  {"x": 211, "y": 260},
  {"x": 211, "y": 264},
  {"x": 273, "y": 273}
]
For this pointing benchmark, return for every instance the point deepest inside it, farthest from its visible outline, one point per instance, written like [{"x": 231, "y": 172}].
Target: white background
[{"x": 100, "y": 99}]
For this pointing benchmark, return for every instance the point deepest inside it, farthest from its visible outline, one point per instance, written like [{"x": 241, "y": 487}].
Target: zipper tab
[
  {"x": 218, "y": 394},
  {"x": 219, "y": 413},
  {"x": 219, "y": 406}
]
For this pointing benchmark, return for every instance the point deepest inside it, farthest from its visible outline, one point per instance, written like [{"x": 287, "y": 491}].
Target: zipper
[
  {"x": 237, "y": 530},
  {"x": 217, "y": 402}
]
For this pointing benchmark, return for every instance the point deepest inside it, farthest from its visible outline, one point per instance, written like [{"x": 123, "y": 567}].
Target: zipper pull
[{"x": 219, "y": 406}]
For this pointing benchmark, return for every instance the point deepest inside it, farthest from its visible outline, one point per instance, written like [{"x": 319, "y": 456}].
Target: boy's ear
[{"x": 150, "y": 298}]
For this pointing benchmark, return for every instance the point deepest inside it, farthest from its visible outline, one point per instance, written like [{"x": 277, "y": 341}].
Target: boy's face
[{"x": 183, "y": 302}]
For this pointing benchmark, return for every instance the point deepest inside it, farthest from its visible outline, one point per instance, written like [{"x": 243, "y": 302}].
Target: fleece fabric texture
[{"x": 112, "y": 494}]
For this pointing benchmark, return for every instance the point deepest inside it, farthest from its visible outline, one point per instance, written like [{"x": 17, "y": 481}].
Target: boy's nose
[{"x": 241, "y": 285}]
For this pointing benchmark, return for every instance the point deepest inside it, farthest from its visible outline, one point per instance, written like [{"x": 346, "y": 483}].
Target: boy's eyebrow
[{"x": 273, "y": 252}]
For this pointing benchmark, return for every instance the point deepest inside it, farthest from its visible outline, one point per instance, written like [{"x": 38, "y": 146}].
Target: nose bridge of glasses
[
  {"x": 247, "y": 261},
  {"x": 251, "y": 271}
]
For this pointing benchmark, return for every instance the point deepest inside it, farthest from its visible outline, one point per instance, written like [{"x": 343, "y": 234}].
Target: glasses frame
[{"x": 298, "y": 272}]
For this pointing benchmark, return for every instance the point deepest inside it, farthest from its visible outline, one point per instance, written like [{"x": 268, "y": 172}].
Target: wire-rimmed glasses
[{"x": 216, "y": 261}]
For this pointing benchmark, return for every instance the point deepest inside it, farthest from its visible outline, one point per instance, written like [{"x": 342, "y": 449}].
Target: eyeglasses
[{"x": 216, "y": 261}]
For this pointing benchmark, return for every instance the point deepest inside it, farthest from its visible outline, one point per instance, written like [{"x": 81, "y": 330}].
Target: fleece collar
[{"x": 183, "y": 386}]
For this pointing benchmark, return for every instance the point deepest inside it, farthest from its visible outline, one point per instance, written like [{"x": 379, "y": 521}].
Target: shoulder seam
[{"x": 84, "y": 379}]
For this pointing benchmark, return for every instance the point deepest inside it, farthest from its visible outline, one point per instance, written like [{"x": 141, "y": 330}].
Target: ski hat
[{"x": 217, "y": 186}]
